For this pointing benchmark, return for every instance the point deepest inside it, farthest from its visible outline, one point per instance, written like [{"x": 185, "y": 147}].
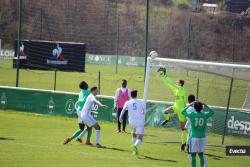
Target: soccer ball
[{"x": 153, "y": 54}]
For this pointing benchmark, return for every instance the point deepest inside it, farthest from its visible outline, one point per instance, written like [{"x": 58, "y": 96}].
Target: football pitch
[{"x": 28, "y": 140}]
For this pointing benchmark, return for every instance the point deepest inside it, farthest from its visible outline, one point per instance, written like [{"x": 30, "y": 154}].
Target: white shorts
[
  {"x": 187, "y": 123},
  {"x": 137, "y": 128},
  {"x": 88, "y": 120},
  {"x": 80, "y": 121},
  {"x": 188, "y": 138},
  {"x": 197, "y": 145}
]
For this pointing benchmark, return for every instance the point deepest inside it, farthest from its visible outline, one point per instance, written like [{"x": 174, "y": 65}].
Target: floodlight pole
[
  {"x": 117, "y": 43},
  {"x": 55, "y": 77},
  {"x": 228, "y": 105},
  {"x": 197, "y": 88},
  {"x": 146, "y": 36},
  {"x": 99, "y": 82},
  {"x": 18, "y": 40}
]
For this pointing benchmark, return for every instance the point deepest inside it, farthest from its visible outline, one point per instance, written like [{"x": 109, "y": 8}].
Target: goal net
[
  {"x": 210, "y": 82},
  {"x": 214, "y": 77}
]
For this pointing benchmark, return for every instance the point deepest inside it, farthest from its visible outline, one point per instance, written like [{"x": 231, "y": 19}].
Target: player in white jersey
[
  {"x": 136, "y": 111},
  {"x": 86, "y": 116}
]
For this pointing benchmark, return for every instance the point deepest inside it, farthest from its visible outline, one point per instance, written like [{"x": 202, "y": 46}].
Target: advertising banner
[
  {"x": 48, "y": 102},
  {"x": 237, "y": 124},
  {"x": 6, "y": 54},
  {"x": 51, "y": 55},
  {"x": 111, "y": 60},
  {"x": 62, "y": 103}
]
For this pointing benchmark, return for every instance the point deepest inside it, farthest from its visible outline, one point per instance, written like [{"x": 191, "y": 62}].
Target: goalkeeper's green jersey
[
  {"x": 178, "y": 91},
  {"x": 82, "y": 99},
  {"x": 198, "y": 122}
]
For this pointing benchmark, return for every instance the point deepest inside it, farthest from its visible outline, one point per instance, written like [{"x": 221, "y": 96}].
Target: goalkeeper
[{"x": 180, "y": 103}]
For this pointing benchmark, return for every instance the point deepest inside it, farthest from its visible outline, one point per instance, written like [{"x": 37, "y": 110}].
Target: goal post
[
  {"x": 146, "y": 82},
  {"x": 235, "y": 71},
  {"x": 224, "y": 85}
]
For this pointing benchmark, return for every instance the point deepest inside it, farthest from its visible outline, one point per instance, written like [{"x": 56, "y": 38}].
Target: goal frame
[
  {"x": 230, "y": 70},
  {"x": 196, "y": 67}
]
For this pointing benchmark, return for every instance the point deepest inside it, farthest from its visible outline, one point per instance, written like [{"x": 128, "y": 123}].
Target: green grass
[
  {"x": 213, "y": 89},
  {"x": 28, "y": 140}
]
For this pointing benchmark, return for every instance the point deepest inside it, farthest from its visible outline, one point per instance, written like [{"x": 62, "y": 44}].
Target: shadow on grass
[
  {"x": 164, "y": 143},
  {"x": 149, "y": 135},
  {"x": 5, "y": 138},
  {"x": 140, "y": 156},
  {"x": 215, "y": 157},
  {"x": 220, "y": 151},
  {"x": 114, "y": 148},
  {"x": 156, "y": 159}
]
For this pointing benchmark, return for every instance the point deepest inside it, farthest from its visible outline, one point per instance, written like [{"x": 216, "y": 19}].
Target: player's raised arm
[
  {"x": 94, "y": 91},
  {"x": 169, "y": 83},
  {"x": 209, "y": 112},
  {"x": 100, "y": 104},
  {"x": 184, "y": 111}
]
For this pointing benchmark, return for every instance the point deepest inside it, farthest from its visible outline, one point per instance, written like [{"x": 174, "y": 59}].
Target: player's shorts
[
  {"x": 88, "y": 120},
  {"x": 187, "y": 126},
  {"x": 197, "y": 145},
  {"x": 137, "y": 128},
  {"x": 80, "y": 121},
  {"x": 188, "y": 138},
  {"x": 177, "y": 110}
]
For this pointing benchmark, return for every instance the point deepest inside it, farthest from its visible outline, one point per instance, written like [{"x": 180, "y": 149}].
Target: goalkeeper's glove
[{"x": 162, "y": 71}]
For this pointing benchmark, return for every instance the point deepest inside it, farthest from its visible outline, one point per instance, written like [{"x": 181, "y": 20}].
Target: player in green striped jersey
[
  {"x": 84, "y": 93},
  {"x": 197, "y": 132}
]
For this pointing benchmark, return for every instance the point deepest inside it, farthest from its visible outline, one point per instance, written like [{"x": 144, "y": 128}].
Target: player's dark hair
[
  {"x": 191, "y": 98},
  {"x": 198, "y": 106},
  {"x": 134, "y": 93},
  {"x": 124, "y": 80},
  {"x": 83, "y": 85},
  {"x": 124, "y": 83},
  {"x": 181, "y": 82},
  {"x": 93, "y": 89}
]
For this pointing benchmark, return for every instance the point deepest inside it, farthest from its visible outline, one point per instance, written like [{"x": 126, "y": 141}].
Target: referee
[{"x": 121, "y": 96}]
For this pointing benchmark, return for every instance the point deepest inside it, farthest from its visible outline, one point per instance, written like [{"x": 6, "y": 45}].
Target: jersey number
[
  {"x": 199, "y": 122},
  {"x": 134, "y": 106}
]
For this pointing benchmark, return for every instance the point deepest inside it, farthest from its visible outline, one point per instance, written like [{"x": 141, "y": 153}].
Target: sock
[
  {"x": 133, "y": 140},
  {"x": 189, "y": 157},
  {"x": 82, "y": 134},
  {"x": 183, "y": 136},
  {"x": 138, "y": 142},
  {"x": 193, "y": 160},
  {"x": 89, "y": 134},
  {"x": 202, "y": 160},
  {"x": 97, "y": 137},
  {"x": 75, "y": 134},
  {"x": 205, "y": 163}
]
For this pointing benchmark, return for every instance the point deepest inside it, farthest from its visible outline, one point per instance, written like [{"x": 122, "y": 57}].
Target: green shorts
[{"x": 177, "y": 110}]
